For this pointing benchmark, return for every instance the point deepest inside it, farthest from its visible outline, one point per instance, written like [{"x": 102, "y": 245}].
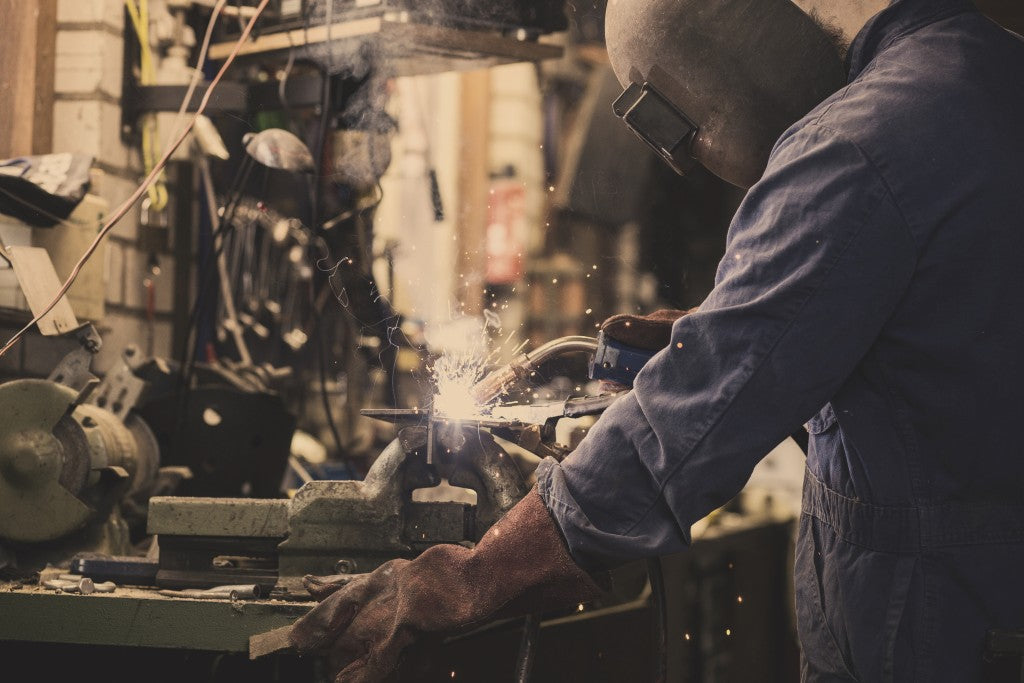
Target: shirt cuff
[{"x": 605, "y": 502}]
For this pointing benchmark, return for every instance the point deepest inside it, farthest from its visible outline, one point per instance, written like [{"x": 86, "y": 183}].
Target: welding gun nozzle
[{"x": 496, "y": 383}]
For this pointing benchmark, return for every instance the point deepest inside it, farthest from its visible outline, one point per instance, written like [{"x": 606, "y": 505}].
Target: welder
[{"x": 871, "y": 290}]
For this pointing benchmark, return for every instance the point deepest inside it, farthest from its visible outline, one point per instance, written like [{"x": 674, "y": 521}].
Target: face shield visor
[{"x": 654, "y": 119}]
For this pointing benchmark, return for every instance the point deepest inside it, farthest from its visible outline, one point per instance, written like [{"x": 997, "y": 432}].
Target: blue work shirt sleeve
[{"x": 817, "y": 258}]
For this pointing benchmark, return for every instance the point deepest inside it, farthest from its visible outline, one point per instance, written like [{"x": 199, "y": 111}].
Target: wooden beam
[{"x": 27, "y": 46}]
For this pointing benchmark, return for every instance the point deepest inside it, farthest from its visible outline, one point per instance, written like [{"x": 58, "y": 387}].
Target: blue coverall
[{"x": 872, "y": 288}]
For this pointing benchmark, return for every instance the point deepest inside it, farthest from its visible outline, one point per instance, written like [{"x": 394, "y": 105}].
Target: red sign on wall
[{"x": 506, "y": 232}]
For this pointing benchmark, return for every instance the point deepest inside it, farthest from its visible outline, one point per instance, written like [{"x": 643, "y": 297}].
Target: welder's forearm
[
  {"x": 603, "y": 497},
  {"x": 796, "y": 307}
]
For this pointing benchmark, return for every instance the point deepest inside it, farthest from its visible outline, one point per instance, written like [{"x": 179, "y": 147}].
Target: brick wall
[{"x": 87, "y": 119}]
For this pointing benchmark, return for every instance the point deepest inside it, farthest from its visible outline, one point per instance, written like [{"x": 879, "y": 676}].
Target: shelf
[{"x": 407, "y": 48}]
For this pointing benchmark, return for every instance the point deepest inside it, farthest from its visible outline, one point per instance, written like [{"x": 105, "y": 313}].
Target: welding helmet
[{"x": 716, "y": 82}]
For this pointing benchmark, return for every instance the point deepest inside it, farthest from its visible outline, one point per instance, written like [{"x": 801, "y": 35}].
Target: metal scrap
[{"x": 240, "y": 592}]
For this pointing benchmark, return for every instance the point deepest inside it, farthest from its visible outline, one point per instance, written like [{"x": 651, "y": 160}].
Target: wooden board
[
  {"x": 40, "y": 283},
  {"x": 65, "y": 242},
  {"x": 26, "y": 76}
]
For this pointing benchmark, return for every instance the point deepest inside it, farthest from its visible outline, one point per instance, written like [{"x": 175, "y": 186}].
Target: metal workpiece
[
  {"x": 82, "y": 585},
  {"x": 237, "y": 592}
]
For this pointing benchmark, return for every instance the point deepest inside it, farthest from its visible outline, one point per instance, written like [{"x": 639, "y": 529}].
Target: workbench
[
  {"x": 729, "y": 620},
  {"x": 138, "y": 617}
]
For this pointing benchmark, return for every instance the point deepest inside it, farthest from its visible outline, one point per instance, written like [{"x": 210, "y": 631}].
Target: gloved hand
[
  {"x": 651, "y": 332},
  {"x": 364, "y": 622}
]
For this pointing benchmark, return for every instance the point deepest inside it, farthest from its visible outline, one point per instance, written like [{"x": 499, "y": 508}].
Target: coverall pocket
[
  {"x": 822, "y": 657},
  {"x": 821, "y": 422}
]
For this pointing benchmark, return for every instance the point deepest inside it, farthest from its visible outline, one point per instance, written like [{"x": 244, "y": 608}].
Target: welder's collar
[{"x": 897, "y": 20}]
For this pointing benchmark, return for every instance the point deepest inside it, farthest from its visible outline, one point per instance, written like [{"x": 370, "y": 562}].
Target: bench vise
[{"x": 334, "y": 527}]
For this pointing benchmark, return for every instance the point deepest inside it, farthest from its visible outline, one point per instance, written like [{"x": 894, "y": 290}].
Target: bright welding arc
[{"x": 128, "y": 203}]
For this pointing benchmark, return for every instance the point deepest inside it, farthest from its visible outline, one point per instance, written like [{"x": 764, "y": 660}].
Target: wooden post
[
  {"x": 27, "y": 45},
  {"x": 474, "y": 186}
]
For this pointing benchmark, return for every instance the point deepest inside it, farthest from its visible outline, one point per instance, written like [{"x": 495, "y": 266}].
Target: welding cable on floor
[
  {"x": 656, "y": 577},
  {"x": 527, "y": 648},
  {"x": 128, "y": 203}
]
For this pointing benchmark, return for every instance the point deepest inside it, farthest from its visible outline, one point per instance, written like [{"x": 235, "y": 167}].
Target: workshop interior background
[{"x": 385, "y": 201}]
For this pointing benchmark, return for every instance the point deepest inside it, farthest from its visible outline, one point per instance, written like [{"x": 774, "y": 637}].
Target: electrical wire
[
  {"x": 157, "y": 191},
  {"x": 656, "y": 577},
  {"x": 527, "y": 648},
  {"x": 150, "y": 178}
]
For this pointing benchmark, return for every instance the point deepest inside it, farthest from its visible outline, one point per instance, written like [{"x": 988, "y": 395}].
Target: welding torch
[
  {"x": 501, "y": 380},
  {"x": 611, "y": 361}
]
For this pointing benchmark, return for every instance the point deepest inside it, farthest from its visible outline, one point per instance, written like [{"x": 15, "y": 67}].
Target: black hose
[
  {"x": 657, "y": 580},
  {"x": 527, "y": 648}
]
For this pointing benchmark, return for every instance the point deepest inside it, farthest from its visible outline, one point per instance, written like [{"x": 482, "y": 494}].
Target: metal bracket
[
  {"x": 121, "y": 389},
  {"x": 75, "y": 369},
  {"x": 229, "y": 97}
]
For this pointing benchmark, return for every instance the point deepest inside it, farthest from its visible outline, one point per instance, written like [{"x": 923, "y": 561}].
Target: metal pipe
[
  {"x": 561, "y": 346},
  {"x": 230, "y": 321},
  {"x": 498, "y": 382}
]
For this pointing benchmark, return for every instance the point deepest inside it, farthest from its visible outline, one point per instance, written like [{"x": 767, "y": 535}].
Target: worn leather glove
[
  {"x": 365, "y": 622},
  {"x": 651, "y": 332}
]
